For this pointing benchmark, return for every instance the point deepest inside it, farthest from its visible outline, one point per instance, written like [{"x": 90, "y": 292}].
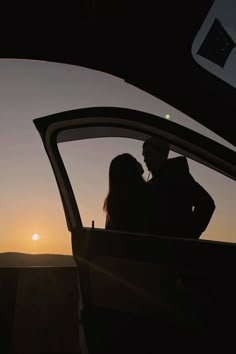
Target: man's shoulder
[
  {"x": 179, "y": 164},
  {"x": 174, "y": 169}
]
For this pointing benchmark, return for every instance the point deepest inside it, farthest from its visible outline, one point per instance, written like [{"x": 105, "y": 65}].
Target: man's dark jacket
[{"x": 179, "y": 205}]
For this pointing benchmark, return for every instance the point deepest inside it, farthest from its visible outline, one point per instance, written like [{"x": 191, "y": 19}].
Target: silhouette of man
[{"x": 179, "y": 206}]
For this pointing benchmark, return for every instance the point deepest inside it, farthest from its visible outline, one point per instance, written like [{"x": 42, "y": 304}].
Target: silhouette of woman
[{"x": 126, "y": 200}]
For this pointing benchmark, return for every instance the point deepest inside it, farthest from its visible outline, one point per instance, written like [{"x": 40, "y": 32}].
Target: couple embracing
[{"x": 172, "y": 203}]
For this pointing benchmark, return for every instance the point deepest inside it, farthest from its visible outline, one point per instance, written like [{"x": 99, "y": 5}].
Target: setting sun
[{"x": 35, "y": 237}]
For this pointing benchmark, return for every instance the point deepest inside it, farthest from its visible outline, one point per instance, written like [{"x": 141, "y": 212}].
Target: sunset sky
[{"x": 30, "y": 202}]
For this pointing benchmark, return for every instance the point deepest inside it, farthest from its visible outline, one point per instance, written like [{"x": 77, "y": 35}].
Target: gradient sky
[{"x": 30, "y": 201}]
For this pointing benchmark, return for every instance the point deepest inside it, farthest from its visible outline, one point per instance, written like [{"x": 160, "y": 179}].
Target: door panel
[
  {"x": 143, "y": 293},
  {"x": 162, "y": 289}
]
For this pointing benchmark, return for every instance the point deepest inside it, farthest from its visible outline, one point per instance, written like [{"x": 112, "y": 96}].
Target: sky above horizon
[{"x": 29, "y": 195}]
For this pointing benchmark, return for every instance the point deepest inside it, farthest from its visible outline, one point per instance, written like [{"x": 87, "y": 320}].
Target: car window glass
[{"x": 87, "y": 163}]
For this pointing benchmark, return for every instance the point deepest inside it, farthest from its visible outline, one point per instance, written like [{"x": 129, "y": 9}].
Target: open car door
[{"x": 143, "y": 293}]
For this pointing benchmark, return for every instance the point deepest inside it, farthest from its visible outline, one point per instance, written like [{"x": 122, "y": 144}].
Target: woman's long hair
[{"x": 125, "y": 183}]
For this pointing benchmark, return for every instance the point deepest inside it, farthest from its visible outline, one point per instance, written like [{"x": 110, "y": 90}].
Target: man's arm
[{"x": 204, "y": 207}]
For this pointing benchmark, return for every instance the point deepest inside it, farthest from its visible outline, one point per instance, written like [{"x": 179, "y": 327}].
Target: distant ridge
[{"x": 16, "y": 259}]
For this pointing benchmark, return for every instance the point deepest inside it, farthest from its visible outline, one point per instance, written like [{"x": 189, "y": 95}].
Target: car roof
[{"x": 149, "y": 45}]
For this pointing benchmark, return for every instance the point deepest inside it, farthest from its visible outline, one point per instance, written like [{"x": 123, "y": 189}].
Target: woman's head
[
  {"x": 125, "y": 176},
  {"x": 124, "y": 169}
]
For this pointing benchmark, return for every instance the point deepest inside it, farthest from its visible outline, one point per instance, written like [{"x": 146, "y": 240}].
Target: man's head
[{"x": 155, "y": 153}]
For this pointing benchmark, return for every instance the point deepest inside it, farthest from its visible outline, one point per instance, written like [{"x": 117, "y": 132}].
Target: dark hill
[{"x": 15, "y": 259}]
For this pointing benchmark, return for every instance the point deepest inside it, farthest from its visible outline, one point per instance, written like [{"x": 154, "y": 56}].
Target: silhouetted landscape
[{"x": 15, "y": 259}]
